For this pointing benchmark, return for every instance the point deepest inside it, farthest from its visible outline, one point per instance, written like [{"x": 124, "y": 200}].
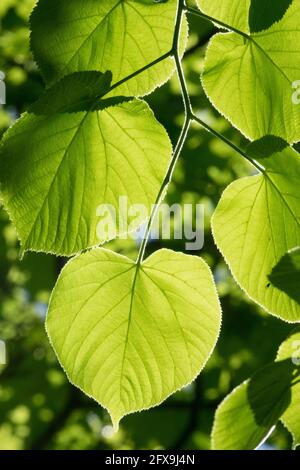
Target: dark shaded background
[{"x": 39, "y": 409}]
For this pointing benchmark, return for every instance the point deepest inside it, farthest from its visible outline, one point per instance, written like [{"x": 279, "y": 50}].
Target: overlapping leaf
[
  {"x": 246, "y": 15},
  {"x": 290, "y": 349},
  {"x": 257, "y": 222},
  {"x": 247, "y": 416},
  {"x": 116, "y": 35},
  {"x": 233, "y": 12},
  {"x": 131, "y": 335},
  {"x": 73, "y": 152},
  {"x": 250, "y": 78},
  {"x": 264, "y": 13}
]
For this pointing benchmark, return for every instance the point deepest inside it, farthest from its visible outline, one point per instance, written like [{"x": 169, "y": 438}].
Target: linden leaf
[
  {"x": 248, "y": 415},
  {"x": 286, "y": 274},
  {"x": 128, "y": 335},
  {"x": 246, "y": 15},
  {"x": 232, "y": 12},
  {"x": 118, "y": 35},
  {"x": 250, "y": 78},
  {"x": 73, "y": 153},
  {"x": 257, "y": 222},
  {"x": 290, "y": 350}
]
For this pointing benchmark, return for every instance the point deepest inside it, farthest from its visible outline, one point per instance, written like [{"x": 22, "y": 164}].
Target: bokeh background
[{"x": 39, "y": 409}]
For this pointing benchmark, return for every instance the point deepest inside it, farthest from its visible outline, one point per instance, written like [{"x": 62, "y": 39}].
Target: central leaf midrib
[
  {"x": 90, "y": 298},
  {"x": 270, "y": 59},
  {"x": 137, "y": 268},
  {"x": 55, "y": 176}
]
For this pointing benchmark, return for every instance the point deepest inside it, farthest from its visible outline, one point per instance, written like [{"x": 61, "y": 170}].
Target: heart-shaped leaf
[
  {"x": 130, "y": 335},
  {"x": 117, "y": 35},
  {"x": 250, "y": 78},
  {"x": 75, "y": 152},
  {"x": 257, "y": 222}
]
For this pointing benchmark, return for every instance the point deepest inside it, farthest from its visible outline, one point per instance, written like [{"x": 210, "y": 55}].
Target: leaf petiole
[
  {"x": 189, "y": 118},
  {"x": 226, "y": 141},
  {"x": 193, "y": 11}
]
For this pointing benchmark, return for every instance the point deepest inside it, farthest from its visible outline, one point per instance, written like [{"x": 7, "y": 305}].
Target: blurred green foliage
[{"x": 39, "y": 409}]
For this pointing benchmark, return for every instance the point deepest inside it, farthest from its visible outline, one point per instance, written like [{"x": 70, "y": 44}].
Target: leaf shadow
[
  {"x": 269, "y": 391},
  {"x": 285, "y": 276},
  {"x": 264, "y": 13},
  {"x": 78, "y": 92}
]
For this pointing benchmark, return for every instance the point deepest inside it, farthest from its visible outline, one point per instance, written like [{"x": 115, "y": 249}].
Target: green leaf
[
  {"x": 70, "y": 154},
  {"x": 232, "y": 12},
  {"x": 117, "y": 35},
  {"x": 246, "y": 15},
  {"x": 257, "y": 222},
  {"x": 128, "y": 335},
  {"x": 246, "y": 417},
  {"x": 250, "y": 81},
  {"x": 291, "y": 349},
  {"x": 286, "y": 274},
  {"x": 79, "y": 91}
]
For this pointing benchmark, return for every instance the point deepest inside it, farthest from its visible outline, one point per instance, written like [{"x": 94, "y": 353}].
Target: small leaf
[
  {"x": 74, "y": 152},
  {"x": 290, "y": 350},
  {"x": 250, "y": 80},
  {"x": 257, "y": 222},
  {"x": 121, "y": 36},
  {"x": 128, "y": 335},
  {"x": 286, "y": 274},
  {"x": 246, "y": 417}
]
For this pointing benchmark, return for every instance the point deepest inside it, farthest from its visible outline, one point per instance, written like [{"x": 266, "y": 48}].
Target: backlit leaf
[
  {"x": 232, "y": 12},
  {"x": 246, "y": 417},
  {"x": 250, "y": 80},
  {"x": 130, "y": 336},
  {"x": 257, "y": 222},
  {"x": 116, "y": 35},
  {"x": 290, "y": 350},
  {"x": 72, "y": 153}
]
